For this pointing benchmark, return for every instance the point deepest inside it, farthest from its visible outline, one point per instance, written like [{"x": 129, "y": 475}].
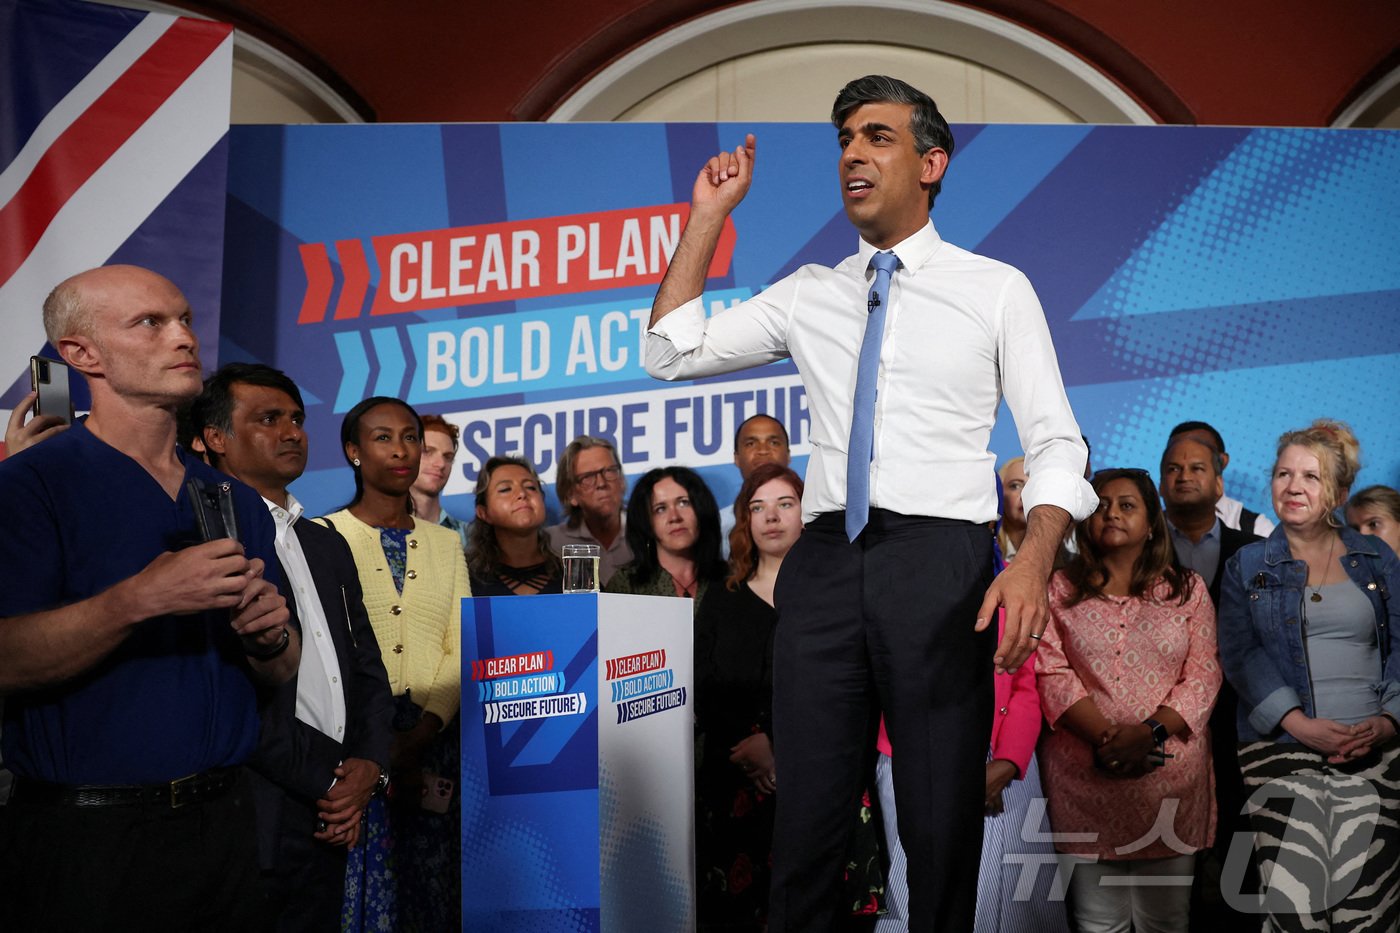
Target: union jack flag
[{"x": 113, "y": 149}]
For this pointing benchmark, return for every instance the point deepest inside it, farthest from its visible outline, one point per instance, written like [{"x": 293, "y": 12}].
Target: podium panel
[{"x": 577, "y": 764}]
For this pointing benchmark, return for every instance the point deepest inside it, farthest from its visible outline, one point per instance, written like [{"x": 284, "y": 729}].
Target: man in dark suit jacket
[
  {"x": 1191, "y": 483},
  {"x": 325, "y": 736}
]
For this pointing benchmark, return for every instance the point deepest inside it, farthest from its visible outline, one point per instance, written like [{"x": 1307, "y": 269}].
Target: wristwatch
[
  {"x": 382, "y": 785},
  {"x": 1159, "y": 731}
]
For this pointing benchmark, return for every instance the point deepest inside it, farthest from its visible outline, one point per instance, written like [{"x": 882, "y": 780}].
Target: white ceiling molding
[
  {"x": 932, "y": 25},
  {"x": 270, "y": 66},
  {"x": 1377, "y": 106}
]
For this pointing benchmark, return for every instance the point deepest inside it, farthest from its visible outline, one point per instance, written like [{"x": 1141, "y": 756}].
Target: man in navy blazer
[
  {"x": 1191, "y": 486},
  {"x": 325, "y": 735}
]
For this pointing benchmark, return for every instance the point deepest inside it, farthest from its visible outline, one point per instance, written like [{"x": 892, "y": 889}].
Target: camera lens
[{"x": 43, "y": 370}]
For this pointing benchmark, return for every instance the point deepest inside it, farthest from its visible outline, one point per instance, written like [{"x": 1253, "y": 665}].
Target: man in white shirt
[
  {"x": 877, "y": 610},
  {"x": 324, "y": 743},
  {"x": 1231, "y": 511}
]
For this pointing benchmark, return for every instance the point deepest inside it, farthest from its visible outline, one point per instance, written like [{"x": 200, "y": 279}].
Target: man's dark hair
[
  {"x": 1217, "y": 459},
  {"x": 926, "y": 123},
  {"x": 1187, "y": 426},
  {"x": 763, "y": 414},
  {"x": 214, "y": 406}
]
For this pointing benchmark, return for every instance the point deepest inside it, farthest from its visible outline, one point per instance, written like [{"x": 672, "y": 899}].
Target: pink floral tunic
[{"x": 1131, "y": 656}]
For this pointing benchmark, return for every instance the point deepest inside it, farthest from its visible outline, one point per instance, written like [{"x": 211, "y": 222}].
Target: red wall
[{"x": 1263, "y": 62}]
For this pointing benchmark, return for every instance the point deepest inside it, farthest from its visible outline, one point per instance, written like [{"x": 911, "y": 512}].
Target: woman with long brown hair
[
  {"x": 1127, "y": 674},
  {"x": 734, "y": 704}
]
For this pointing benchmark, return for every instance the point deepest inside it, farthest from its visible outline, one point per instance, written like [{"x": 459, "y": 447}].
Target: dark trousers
[
  {"x": 141, "y": 867},
  {"x": 304, "y": 890},
  {"x": 884, "y": 624}
]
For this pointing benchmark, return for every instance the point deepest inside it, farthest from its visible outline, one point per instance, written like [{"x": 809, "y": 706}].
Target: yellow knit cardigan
[{"x": 419, "y": 630}]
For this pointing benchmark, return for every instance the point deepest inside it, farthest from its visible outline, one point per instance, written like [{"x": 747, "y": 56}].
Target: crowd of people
[{"x": 1171, "y": 713}]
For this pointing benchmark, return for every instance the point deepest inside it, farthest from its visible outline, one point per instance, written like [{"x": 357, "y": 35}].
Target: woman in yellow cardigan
[{"x": 414, "y": 578}]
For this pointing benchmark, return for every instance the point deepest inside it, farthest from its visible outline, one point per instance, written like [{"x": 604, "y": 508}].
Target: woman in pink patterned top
[{"x": 1128, "y": 673}]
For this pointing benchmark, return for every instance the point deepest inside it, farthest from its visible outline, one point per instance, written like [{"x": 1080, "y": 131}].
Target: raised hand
[{"x": 724, "y": 180}]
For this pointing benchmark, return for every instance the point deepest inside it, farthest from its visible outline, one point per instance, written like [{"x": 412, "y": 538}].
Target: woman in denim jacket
[{"x": 1306, "y": 619}]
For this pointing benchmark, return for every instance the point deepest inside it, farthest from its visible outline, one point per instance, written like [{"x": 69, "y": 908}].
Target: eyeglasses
[{"x": 591, "y": 479}]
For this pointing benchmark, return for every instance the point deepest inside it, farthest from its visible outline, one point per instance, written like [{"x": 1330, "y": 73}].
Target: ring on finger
[{"x": 1035, "y": 636}]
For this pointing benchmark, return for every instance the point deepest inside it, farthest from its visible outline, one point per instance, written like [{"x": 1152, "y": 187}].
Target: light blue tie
[{"x": 862, "y": 447}]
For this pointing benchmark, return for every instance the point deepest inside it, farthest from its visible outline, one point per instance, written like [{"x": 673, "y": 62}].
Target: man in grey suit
[{"x": 325, "y": 735}]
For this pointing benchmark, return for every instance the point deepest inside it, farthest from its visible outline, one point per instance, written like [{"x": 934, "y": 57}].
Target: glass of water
[{"x": 581, "y": 567}]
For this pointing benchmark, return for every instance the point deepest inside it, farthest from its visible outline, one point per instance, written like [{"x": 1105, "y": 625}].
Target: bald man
[{"x": 130, "y": 655}]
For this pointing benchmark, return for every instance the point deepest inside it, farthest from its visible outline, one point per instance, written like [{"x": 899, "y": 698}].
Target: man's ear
[
  {"x": 215, "y": 441},
  {"x": 935, "y": 163},
  {"x": 81, "y": 353}
]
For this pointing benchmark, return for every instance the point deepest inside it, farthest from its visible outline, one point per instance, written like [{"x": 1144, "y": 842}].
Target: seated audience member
[
  {"x": 1307, "y": 638},
  {"x": 324, "y": 746},
  {"x": 414, "y": 576},
  {"x": 673, "y": 531},
  {"x": 1231, "y": 511},
  {"x": 1127, "y": 675},
  {"x": 1191, "y": 485},
  {"x": 591, "y": 487},
  {"x": 1375, "y": 510},
  {"x": 130, "y": 647},
  {"x": 509, "y": 553},
  {"x": 734, "y": 705},
  {"x": 435, "y": 469}
]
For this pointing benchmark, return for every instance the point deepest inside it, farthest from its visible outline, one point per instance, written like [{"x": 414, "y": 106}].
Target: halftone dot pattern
[
  {"x": 644, "y": 883},
  {"x": 1251, "y": 408},
  {"x": 1289, "y": 214},
  {"x": 503, "y": 854}
]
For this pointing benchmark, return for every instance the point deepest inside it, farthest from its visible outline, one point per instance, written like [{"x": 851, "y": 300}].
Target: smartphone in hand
[{"x": 49, "y": 380}]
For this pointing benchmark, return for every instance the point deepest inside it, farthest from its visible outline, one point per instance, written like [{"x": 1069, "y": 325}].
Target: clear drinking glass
[{"x": 581, "y": 567}]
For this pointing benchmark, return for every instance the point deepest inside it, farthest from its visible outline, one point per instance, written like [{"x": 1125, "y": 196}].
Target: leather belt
[{"x": 192, "y": 789}]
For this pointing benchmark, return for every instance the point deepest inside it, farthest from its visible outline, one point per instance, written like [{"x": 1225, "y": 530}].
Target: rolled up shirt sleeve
[
  {"x": 685, "y": 344},
  {"x": 1035, "y": 393}
]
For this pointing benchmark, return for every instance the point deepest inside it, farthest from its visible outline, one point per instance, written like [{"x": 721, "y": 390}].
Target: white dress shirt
[
  {"x": 320, "y": 694},
  {"x": 1231, "y": 512},
  {"x": 961, "y": 331}
]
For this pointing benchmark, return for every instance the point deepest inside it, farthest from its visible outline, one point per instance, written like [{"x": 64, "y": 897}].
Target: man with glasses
[{"x": 591, "y": 489}]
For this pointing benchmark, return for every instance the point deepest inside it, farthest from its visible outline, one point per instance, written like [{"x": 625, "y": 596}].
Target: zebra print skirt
[{"x": 1327, "y": 837}]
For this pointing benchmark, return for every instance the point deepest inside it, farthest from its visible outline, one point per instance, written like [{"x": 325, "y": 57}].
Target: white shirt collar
[
  {"x": 284, "y": 517},
  {"x": 913, "y": 251}
]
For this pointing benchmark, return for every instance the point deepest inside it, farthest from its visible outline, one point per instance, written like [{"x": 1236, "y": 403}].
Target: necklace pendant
[{"x": 1316, "y": 597}]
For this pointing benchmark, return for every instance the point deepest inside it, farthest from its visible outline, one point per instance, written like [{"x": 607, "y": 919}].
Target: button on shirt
[
  {"x": 320, "y": 694},
  {"x": 961, "y": 331}
]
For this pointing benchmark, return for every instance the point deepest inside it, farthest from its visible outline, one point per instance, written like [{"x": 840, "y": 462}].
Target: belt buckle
[{"x": 188, "y": 781}]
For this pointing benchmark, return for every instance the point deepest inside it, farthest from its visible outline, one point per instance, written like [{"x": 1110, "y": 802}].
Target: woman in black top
[{"x": 508, "y": 552}]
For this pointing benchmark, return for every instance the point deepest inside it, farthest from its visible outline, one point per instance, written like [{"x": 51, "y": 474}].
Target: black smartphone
[
  {"x": 213, "y": 508},
  {"x": 49, "y": 380}
]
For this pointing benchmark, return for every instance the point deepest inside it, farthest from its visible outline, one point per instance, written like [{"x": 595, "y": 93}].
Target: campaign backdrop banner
[
  {"x": 502, "y": 276},
  {"x": 578, "y": 764},
  {"x": 113, "y": 147}
]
